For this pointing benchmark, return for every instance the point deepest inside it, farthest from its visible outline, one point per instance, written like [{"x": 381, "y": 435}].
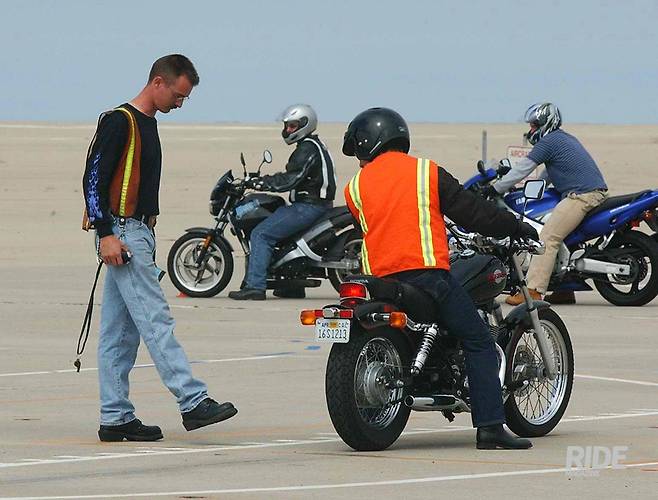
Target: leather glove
[
  {"x": 526, "y": 231},
  {"x": 489, "y": 192}
]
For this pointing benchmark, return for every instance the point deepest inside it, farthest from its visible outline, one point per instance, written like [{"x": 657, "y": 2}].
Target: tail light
[
  {"x": 352, "y": 294},
  {"x": 310, "y": 316},
  {"x": 651, "y": 218}
]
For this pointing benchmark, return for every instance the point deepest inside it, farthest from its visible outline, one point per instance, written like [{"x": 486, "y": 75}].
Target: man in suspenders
[
  {"x": 311, "y": 180},
  {"x": 399, "y": 202},
  {"x": 121, "y": 185}
]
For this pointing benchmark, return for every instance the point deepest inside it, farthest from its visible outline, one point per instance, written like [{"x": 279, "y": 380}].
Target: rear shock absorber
[{"x": 424, "y": 350}]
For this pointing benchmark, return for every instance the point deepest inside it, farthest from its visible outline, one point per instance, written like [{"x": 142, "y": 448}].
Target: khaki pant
[{"x": 566, "y": 217}]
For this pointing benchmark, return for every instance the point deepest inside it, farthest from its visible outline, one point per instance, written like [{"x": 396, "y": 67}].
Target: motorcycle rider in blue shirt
[{"x": 575, "y": 175}]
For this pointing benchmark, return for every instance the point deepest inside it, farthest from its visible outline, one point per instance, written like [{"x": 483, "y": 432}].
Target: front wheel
[
  {"x": 640, "y": 252},
  {"x": 206, "y": 279},
  {"x": 537, "y": 404},
  {"x": 364, "y": 396},
  {"x": 352, "y": 251}
]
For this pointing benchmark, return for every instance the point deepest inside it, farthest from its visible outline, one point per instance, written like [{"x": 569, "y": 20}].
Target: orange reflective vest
[
  {"x": 396, "y": 200},
  {"x": 124, "y": 188}
]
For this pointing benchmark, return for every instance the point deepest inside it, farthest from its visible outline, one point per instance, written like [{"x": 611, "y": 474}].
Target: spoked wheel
[
  {"x": 364, "y": 396},
  {"x": 352, "y": 251},
  {"x": 204, "y": 280},
  {"x": 537, "y": 404},
  {"x": 640, "y": 252}
]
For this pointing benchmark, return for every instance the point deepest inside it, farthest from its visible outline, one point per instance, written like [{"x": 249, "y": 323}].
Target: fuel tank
[
  {"x": 482, "y": 276},
  {"x": 254, "y": 208}
]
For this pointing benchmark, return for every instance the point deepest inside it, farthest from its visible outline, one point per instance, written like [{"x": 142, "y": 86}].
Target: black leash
[{"x": 86, "y": 324}]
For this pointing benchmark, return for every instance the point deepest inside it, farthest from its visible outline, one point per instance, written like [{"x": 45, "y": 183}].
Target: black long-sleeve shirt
[
  {"x": 103, "y": 160},
  {"x": 473, "y": 212}
]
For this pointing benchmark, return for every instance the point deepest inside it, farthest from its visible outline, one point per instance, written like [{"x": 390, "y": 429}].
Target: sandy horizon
[{"x": 42, "y": 166}]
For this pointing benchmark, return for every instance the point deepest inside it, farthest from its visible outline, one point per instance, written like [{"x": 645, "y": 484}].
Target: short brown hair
[{"x": 172, "y": 66}]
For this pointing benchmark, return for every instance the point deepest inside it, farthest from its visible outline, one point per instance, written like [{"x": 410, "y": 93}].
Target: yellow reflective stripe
[
  {"x": 365, "y": 263},
  {"x": 424, "y": 216},
  {"x": 355, "y": 194},
  {"x": 129, "y": 163}
]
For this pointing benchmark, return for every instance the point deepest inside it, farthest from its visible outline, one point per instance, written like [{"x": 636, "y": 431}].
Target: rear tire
[
  {"x": 357, "y": 374},
  {"x": 641, "y": 287},
  {"x": 351, "y": 250},
  {"x": 215, "y": 272},
  {"x": 536, "y": 409}
]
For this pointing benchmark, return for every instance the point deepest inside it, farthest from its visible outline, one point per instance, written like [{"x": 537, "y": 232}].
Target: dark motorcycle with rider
[{"x": 200, "y": 262}]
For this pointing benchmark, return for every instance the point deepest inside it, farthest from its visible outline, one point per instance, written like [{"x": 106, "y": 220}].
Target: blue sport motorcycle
[{"x": 605, "y": 247}]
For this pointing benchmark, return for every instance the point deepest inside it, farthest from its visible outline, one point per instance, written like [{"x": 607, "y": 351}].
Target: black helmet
[{"x": 371, "y": 130}]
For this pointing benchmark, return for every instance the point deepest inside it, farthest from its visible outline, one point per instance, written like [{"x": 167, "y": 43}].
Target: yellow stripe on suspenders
[
  {"x": 424, "y": 216},
  {"x": 355, "y": 193},
  {"x": 129, "y": 162}
]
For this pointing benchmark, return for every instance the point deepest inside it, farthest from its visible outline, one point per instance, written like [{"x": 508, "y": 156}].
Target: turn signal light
[
  {"x": 309, "y": 316},
  {"x": 397, "y": 319}
]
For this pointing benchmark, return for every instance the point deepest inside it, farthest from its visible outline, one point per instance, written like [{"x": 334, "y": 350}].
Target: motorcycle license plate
[{"x": 332, "y": 330}]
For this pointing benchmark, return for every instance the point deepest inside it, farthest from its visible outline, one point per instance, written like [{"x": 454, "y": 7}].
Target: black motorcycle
[
  {"x": 389, "y": 355},
  {"x": 200, "y": 262}
]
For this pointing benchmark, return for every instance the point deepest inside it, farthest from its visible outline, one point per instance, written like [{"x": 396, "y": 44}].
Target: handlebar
[{"x": 476, "y": 241}]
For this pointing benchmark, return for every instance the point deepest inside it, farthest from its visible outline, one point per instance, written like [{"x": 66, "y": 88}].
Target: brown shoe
[
  {"x": 517, "y": 298},
  {"x": 561, "y": 297}
]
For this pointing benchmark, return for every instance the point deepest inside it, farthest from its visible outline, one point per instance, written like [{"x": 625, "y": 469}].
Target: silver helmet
[
  {"x": 302, "y": 113},
  {"x": 546, "y": 117}
]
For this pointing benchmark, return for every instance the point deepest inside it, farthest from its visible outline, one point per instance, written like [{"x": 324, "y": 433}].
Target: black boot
[
  {"x": 134, "y": 430},
  {"x": 561, "y": 297},
  {"x": 290, "y": 293},
  {"x": 247, "y": 294},
  {"x": 208, "y": 412},
  {"x": 493, "y": 437}
]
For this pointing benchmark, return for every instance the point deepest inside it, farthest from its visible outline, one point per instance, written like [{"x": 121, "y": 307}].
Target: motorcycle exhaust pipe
[{"x": 437, "y": 402}]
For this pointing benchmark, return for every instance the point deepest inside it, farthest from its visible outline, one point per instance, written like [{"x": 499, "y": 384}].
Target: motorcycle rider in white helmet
[
  {"x": 573, "y": 172},
  {"x": 311, "y": 179}
]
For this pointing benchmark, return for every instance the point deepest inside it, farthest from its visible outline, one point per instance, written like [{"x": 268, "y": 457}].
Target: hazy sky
[{"x": 437, "y": 61}]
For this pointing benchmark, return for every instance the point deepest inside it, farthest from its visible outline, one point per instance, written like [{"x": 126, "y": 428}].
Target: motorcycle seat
[
  {"x": 418, "y": 304},
  {"x": 333, "y": 212},
  {"x": 617, "y": 201}
]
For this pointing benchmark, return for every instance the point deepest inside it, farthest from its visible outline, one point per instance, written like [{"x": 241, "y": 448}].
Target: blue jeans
[
  {"x": 460, "y": 318},
  {"x": 134, "y": 306},
  {"x": 284, "y": 222}
]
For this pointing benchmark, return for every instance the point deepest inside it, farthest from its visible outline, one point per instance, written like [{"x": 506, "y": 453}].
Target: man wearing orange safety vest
[{"x": 399, "y": 202}]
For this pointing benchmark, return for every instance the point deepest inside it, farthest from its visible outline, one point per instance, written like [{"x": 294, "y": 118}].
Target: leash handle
[{"x": 86, "y": 324}]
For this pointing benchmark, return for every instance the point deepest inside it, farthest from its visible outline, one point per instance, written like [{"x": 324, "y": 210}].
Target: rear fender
[
  {"x": 364, "y": 324},
  {"x": 335, "y": 251}
]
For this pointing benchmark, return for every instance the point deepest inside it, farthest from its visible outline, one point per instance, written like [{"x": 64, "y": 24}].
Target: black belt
[{"x": 149, "y": 220}]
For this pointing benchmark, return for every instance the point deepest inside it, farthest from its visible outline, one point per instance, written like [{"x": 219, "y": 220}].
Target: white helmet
[
  {"x": 302, "y": 113},
  {"x": 546, "y": 117}
]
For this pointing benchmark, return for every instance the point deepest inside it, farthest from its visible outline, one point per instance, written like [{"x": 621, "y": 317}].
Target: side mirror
[
  {"x": 267, "y": 156},
  {"x": 534, "y": 189},
  {"x": 481, "y": 168},
  {"x": 244, "y": 164}
]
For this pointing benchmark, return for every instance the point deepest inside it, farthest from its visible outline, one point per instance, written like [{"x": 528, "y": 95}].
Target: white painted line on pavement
[
  {"x": 622, "y": 380},
  {"x": 147, "y": 365},
  {"x": 310, "y": 487},
  {"x": 250, "y": 445}
]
